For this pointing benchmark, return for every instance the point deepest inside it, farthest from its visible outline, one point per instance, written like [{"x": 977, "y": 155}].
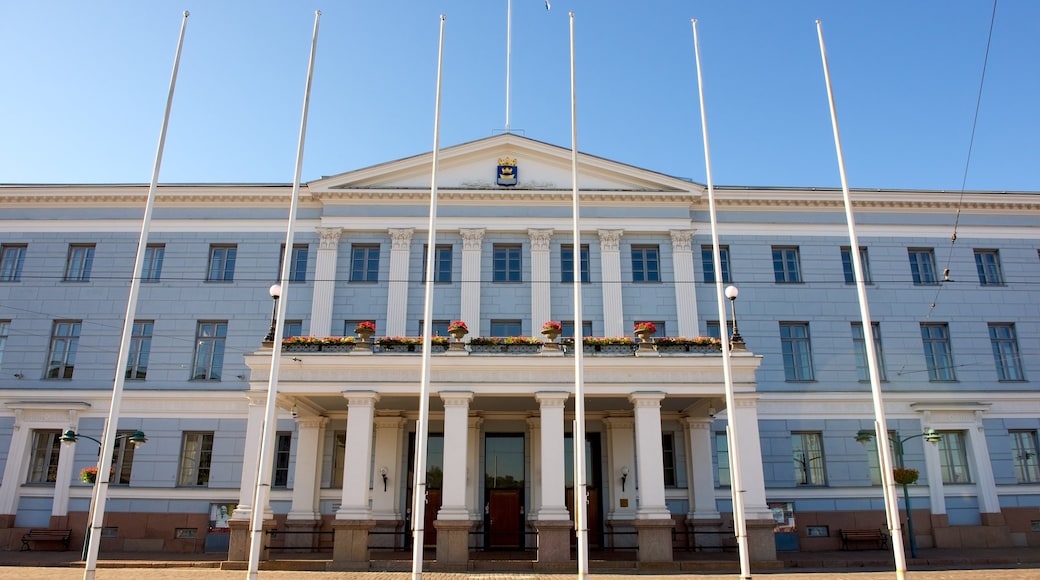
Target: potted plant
[
  {"x": 905, "y": 475},
  {"x": 644, "y": 330},
  {"x": 365, "y": 329},
  {"x": 551, "y": 330},
  {"x": 706, "y": 344},
  {"x": 89, "y": 474},
  {"x": 457, "y": 330},
  {"x": 301, "y": 344}
]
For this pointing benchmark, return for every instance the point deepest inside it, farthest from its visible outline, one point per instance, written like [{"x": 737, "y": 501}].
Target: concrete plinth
[
  {"x": 655, "y": 539},
  {"x": 761, "y": 541},
  {"x": 554, "y": 544},
  {"x": 350, "y": 544},
  {"x": 301, "y": 540},
  {"x": 238, "y": 544},
  {"x": 452, "y": 544}
]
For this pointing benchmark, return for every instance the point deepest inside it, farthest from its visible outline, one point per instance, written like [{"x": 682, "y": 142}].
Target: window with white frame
[
  {"x": 506, "y": 263},
  {"x": 938, "y": 353},
  {"x": 12, "y": 257},
  {"x": 222, "y": 263},
  {"x": 140, "y": 348},
  {"x": 292, "y": 328},
  {"x": 922, "y": 266},
  {"x": 5, "y": 330},
  {"x": 807, "y": 453},
  {"x": 439, "y": 327},
  {"x": 848, "y": 268},
  {"x": 43, "y": 458},
  {"x": 297, "y": 262},
  {"x": 79, "y": 262},
  {"x": 786, "y": 266},
  {"x": 708, "y": 264},
  {"x": 567, "y": 263},
  {"x": 796, "y": 350},
  {"x": 364, "y": 263},
  {"x": 711, "y": 329},
  {"x": 987, "y": 262},
  {"x": 61, "y": 359},
  {"x": 862, "y": 370},
  {"x": 1004, "y": 341},
  {"x": 506, "y": 328},
  {"x": 153, "y": 262},
  {"x": 567, "y": 328},
  {"x": 668, "y": 458},
  {"x": 646, "y": 263},
  {"x": 953, "y": 457},
  {"x": 339, "y": 446},
  {"x": 123, "y": 458},
  {"x": 441, "y": 263},
  {"x": 282, "y": 446},
  {"x": 210, "y": 337},
  {"x": 722, "y": 458},
  {"x": 1024, "y": 453},
  {"x": 196, "y": 458}
]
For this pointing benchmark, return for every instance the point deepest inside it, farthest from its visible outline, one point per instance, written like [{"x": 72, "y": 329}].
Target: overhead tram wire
[{"x": 967, "y": 163}]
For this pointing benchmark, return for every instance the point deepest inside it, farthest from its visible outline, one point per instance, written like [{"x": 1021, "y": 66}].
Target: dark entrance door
[
  {"x": 434, "y": 479},
  {"x": 594, "y": 480},
  {"x": 504, "y": 491}
]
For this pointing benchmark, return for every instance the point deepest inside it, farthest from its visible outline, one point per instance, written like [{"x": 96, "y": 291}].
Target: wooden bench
[
  {"x": 49, "y": 536},
  {"x": 859, "y": 536}
]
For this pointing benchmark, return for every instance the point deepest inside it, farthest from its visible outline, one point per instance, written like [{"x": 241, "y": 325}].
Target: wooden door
[
  {"x": 433, "y": 505},
  {"x": 505, "y": 520}
]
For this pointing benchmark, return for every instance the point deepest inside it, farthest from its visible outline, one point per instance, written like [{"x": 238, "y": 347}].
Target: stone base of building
[
  {"x": 761, "y": 543},
  {"x": 302, "y": 534},
  {"x": 554, "y": 542},
  {"x": 452, "y": 544},
  {"x": 238, "y": 544},
  {"x": 350, "y": 544},
  {"x": 993, "y": 532},
  {"x": 655, "y": 540}
]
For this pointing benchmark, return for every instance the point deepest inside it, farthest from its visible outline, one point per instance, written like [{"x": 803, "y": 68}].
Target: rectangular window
[
  {"x": 210, "y": 337},
  {"x": 1005, "y": 352},
  {"x": 339, "y": 446},
  {"x": 874, "y": 458},
  {"x": 987, "y": 262},
  {"x": 809, "y": 468},
  {"x": 797, "y": 352},
  {"x": 507, "y": 263},
  {"x": 722, "y": 457},
  {"x": 12, "y": 256},
  {"x": 849, "y": 271},
  {"x": 364, "y": 263},
  {"x": 297, "y": 263},
  {"x": 292, "y": 328},
  {"x": 222, "y": 263},
  {"x": 861, "y": 351},
  {"x": 668, "y": 457},
  {"x": 61, "y": 360},
  {"x": 567, "y": 263},
  {"x": 646, "y": 264},
  {"x": 504, "y": 328},
  {"x": 123, "y": 458},
  {"x": 953, "y": 457},
  {"x": 5, "y": 330},
  {"x": 79, "y": 262},
  {"x": 922, "y": 266},
  {"x": 567, "y": 328},
  {"x": 1024, "y": 453},
  {"x": 140, "y": 347},
  {"x": 439, "y": 327},
  {"x": 153, "y": 261},
  {"x": 786, "y": 267},
  {"x": 441, "y": 263},
  {"x": 711, "y": 329},
  {"x": 43, "y": 463},
  {"x": 708, "y": 263},
  {"x": 196, "y": 457},
  {"x": 282, "y": 445},
  {"x": 937, "y": 351}
]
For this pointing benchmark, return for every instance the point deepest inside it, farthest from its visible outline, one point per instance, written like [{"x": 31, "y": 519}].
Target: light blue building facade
[{"x": 957, "y": 325}]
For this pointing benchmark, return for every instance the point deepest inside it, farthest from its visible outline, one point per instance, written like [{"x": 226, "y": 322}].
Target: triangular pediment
[{"x": 474, "y": 166}]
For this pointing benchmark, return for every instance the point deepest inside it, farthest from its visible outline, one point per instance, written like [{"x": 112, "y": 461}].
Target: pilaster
[
  {"x": 472, "y": 242},
  {"x": 305, "y": 476},
  {"x": 397, "y": 298},
  {"x": 685, "y": 282},
  {"x": 541, "y": 298},
  {"x": 749, "y": 452},
  {"x": 386, "y": 497},
  {"x": 701, "y": 492},
  {"x": 324, "y": 281},
  {"x": 357, "y": 456},
  {"x": 621, "y": 453},
  {"x": 613, "y": 305}
]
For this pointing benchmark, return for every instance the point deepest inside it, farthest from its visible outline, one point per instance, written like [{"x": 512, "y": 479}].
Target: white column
[
  {"x": 251, "y": 453},
  {"x": 397, "y": 300},
  {"x": 309, "y": 432},
  {"x": 984, "y": 482},
  {"x": 621, "y": 456},
  {"x": 649, "y": 456},
  {"x": 750, "y": 457},
  {"x": 541, "y": 298},
  {"x": 389, "y": 456},
  {"x": 610, "y": 262},
  {"x": 553, "y": 484},
  {"x": 13, "y": 469},
  {"x": 358, "y": 455},
  {"x": 456, "y": 427},
  {"x": 699, "y": 470},
  {"x": 469, "y": 308},
  {"x": 933, "y": 467},
  {"x": 63, "y": 478},
  {"x": 324, "y": 281},
  {"x": 475, "y": 480},
  {"x": 685, "y": 283}
]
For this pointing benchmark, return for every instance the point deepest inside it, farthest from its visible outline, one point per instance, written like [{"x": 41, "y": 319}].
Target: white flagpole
[
  {"x": 422, "y": 428},
  {"x": 736, "y": 483},
  {"x": 266, "y": 459},
  {"x": 880, "y": 425},
  {"x": 509, "y": 52},
  {"x": 581, "y": 523},
  {"x": 108, "y": 439}
]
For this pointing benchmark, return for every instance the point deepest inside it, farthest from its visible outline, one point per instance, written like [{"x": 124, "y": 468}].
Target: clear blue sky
[{"x": 84, "y": 86}]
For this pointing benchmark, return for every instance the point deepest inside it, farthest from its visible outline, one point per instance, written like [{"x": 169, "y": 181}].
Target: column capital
[
  {"x": 619, "y": 422},
  {"x": 256, "y": 398},
  {"x": 401, "y": 238},
  {"x": 646, "y": 399},
  {"x": 540, "y": 239},
  {"x": 472, "y": 238},
  {"x": 456, "y": 398},
  {"x": 361, "y": 398},
  {"x": 328, "y": 238},
  {"x": 681, "y": 240},
  {"x": 548, "y": 399},
  {"x": 698, "y": 423},
  {"x": 610, "y": 240},
  {"x": 312, "y": 422},
  {"x": 388, "y": 422}
]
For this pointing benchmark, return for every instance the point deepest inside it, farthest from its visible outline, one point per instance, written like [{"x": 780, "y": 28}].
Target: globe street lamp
[
  {"x": 736, "y": 342},
  {"x": 275, "y": 291},
  {"x": 865, "y": 436},
  {"x": 137, "y": 438}
]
